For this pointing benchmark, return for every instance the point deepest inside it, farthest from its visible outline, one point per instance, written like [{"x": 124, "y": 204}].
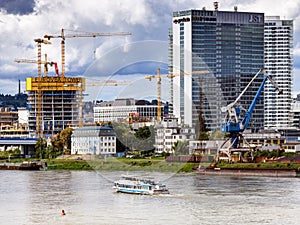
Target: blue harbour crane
[{"x": 234, "y": 125}]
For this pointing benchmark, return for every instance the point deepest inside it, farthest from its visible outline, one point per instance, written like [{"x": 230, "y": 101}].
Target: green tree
[
  {"x": 57, "y": 146},
  {"x": 143, "y": 133},
  {"x": 50, "y": 153},
  {"x": 142, "y": 139},
  {"x": 9, "y": 153},
  {"x": 62, "y": 142},
  {"x": 145, "y": 138},
  {"x": 40, "y": 148},
  {"x": 217, "y": 134},
  {"x": 65, "y": 137},
  {"x": 125, "y": 136}
]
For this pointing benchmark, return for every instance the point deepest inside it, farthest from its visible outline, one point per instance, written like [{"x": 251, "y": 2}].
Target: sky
[{"x": 114, "y": 57}]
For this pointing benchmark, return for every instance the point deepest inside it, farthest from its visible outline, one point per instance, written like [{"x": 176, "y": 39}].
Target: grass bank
[
  {"x": 154, "y": 164},
  {"x": 266, "y": 165},
  {"x": 122, "y": 164}
]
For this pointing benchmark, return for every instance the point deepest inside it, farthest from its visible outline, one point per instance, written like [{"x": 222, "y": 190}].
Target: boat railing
[{"x": 149, "y": 180}]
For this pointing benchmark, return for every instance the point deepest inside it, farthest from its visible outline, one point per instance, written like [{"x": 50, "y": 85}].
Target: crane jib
[{"x": 247, "y": 117}]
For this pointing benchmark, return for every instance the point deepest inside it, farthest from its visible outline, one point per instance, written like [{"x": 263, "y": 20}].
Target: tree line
[{"x": 15, "y": 101}]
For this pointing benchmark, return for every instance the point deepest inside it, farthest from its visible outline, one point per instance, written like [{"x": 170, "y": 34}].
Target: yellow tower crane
[
  {"x": 63, "y": 36},
  {"x": 168, "y": 75}
]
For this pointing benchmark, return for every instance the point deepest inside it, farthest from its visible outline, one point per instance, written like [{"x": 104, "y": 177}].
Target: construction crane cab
[{"x": 234, "y": 125}]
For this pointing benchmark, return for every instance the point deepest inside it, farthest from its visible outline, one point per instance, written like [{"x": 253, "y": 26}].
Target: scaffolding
[{"x": 61, "y": 102}]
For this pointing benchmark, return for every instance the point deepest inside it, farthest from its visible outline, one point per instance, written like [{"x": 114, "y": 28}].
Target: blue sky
[{"x": 21, "y": 21}]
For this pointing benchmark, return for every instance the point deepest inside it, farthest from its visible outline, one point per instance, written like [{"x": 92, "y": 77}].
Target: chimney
[{"x": 235, "y": 8}]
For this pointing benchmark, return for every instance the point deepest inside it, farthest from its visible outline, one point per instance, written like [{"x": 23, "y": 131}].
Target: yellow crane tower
[
  {"x": 39, "y": 61},
  {"x": 39, "y": 42},
  {"x": 168, "y": 75},
  {"x": 63, "y": 36}
]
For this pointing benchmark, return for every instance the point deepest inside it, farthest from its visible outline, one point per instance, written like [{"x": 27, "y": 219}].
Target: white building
[
  {"x": 121, "y": 109},
  {"x": 279, "y": 64},
  {"x": 169, "y": 132},
  {"x": 295, "y": 115},
  {"x": 93, "y": 140}
]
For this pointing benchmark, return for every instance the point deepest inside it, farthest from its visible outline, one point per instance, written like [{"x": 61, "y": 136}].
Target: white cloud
[
  {"x": 297, "y": 49},
  {"x": 137, "y": 87},
  {"x": 145, "y": 19},
  {"x": 8, "y": 68}
]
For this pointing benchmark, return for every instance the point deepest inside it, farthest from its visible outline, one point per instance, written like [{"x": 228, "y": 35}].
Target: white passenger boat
[{"x": 135, "y": 185}]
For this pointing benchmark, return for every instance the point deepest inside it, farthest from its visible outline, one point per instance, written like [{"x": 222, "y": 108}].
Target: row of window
[{"x": 89, "y": 151}]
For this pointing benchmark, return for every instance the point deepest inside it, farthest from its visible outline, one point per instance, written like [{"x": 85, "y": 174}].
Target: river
[{"x": 37, "y": 197}]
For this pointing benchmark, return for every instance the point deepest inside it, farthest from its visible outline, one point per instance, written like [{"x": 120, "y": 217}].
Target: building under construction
[{"x": 56, "y": 103}]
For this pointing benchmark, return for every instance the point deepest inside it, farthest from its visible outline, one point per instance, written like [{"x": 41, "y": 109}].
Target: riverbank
[
  {"x": 270, "y": 169},
  {"x": 121, "y": 164},
  {"x": 159, "y": 164},
  {"x": 262, "y": 172}
]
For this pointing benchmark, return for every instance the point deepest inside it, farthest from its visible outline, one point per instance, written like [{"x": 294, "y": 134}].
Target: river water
[{"x": 37, "y": 197}]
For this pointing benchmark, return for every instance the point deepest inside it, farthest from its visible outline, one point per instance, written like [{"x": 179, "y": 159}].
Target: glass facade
[{"x": 230, "y": 45}]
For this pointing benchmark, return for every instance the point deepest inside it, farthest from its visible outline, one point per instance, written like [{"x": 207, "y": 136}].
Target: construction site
[{"x": 55, "y": 101}]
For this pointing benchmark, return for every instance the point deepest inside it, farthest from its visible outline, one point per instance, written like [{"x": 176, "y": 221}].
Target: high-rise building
[
  {"x": 230, "y": 45},
  {"x": 278, "y": 64}
]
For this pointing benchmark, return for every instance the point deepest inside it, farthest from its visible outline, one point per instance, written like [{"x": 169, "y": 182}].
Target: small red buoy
[{"x": 63, "y": 212}]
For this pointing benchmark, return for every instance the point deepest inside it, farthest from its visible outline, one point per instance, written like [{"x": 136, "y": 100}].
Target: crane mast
[{"x": 39, "y": 128}]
